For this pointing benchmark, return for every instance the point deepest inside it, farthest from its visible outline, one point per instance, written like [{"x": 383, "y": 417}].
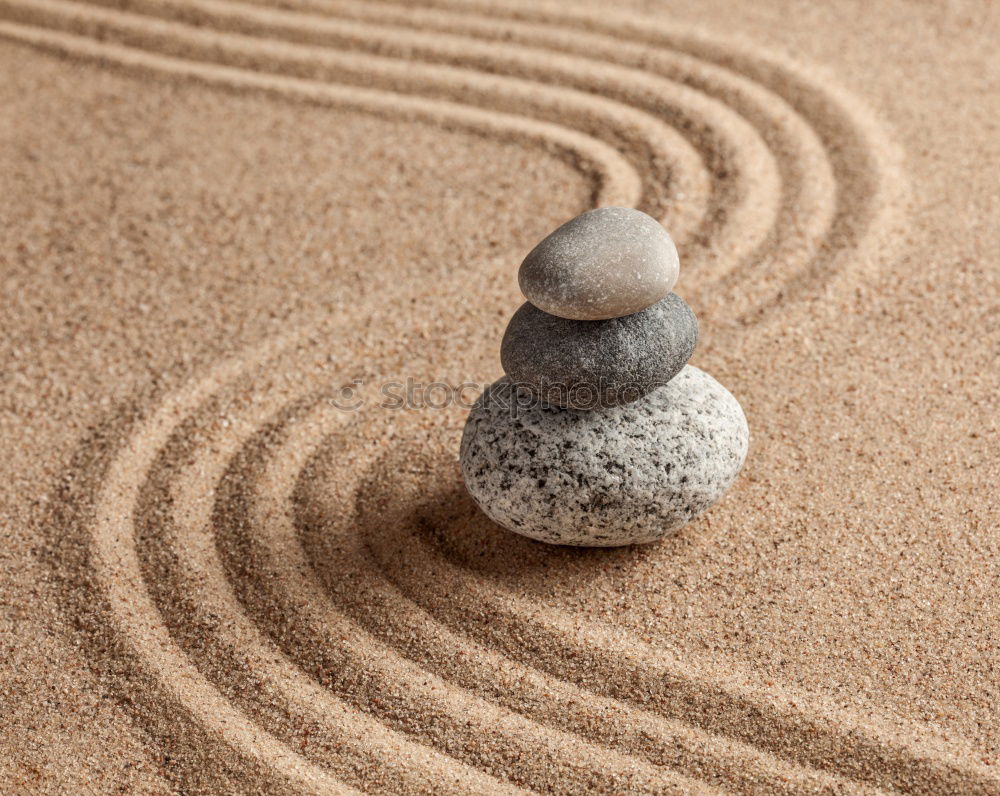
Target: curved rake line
[
  {"x": 278, "y": 542},
  {"x": 129, "y": 610},
  {"x": 171, "y": 413},
  {"x": 800, "y": 237},
  {"x": 824, "y": 224},
  {"x": 888, "y": 754},
  {"x": 617, "y": 181},
  {"x": 135, "y": 621},
  {"x": 743, "y": 206},
  {"x": 766, "y": 285},
  {"x": 660, "y": 149},
  {"x": 203, "y": 606},
  {"x": 531, "y": 752},
  {"x": 867, "y": 163}
]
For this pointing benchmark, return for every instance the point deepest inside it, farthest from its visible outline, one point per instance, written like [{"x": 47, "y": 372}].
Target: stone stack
[{"x": 601, "y": 434}]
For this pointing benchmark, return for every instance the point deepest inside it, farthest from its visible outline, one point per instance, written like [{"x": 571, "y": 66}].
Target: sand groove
[
  {"x": 266, "y": 533},
  {"x": 659, "y": 153},
  {"x": 841, "y": 176},
  {"x": 178, "y": 558},
  {"x": 869, "y": 749},
  {"x": 409, "y": 697},
  {"x": 744, "y": 179},
  {"x": 766, "y": 153},
  {"x": 866, "y": 164},
  {"x": 299, "y": 581},
  {"x": 327, "y": 633},
  {"x": 616, "y": 181}
]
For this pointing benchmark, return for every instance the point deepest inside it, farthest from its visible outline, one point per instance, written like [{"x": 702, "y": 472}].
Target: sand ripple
[{"x": 298, "y": 594}]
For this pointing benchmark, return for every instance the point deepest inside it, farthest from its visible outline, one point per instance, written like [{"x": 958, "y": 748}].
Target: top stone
[{"x": 605, "y": 263}]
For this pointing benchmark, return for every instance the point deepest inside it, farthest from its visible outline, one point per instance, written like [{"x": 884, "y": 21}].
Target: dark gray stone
[
  {"x": 588, "y": 364},
  {"x": 624, "y": 475},
  {"x": 604, "y": 263}
]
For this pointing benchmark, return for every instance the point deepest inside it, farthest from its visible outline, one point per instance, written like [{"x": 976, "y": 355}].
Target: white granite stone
[{"x": 621, "y": 475}]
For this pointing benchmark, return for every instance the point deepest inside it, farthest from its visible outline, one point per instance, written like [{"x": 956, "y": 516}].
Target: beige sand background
[{"x": 215, "y": 214}]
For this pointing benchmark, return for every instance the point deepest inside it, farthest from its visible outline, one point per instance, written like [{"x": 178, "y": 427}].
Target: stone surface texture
[
  {"x": 591, "y": 364},
  {"x": 605, "y": 263},
  {"x": 625, "y": 475}
]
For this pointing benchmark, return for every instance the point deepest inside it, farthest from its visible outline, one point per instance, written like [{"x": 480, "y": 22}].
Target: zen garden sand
[{"x": 218, "y": 219}]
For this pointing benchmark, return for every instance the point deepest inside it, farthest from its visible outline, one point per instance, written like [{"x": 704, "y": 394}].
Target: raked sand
[{"x": 217, "y": 215}]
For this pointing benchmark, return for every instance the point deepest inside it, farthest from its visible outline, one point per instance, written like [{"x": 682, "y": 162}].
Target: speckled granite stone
[
  {"x": 624, "y": 475},
  {"x": 591, "y": 364},
  {"x": 605, "y": 263}
]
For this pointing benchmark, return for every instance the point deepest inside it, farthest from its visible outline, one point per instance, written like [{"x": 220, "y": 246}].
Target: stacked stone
[{"x": 601, "y": 434}]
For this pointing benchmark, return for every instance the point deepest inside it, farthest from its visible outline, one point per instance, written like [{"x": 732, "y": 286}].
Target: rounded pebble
[
  {"x": 605, "y": 263},
  {"x": 625, "y": 475},
  {"x": 591, "y": 364}
]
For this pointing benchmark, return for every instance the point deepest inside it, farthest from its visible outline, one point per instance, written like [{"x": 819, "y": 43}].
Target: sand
[{"x": 217, "y": 215}]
